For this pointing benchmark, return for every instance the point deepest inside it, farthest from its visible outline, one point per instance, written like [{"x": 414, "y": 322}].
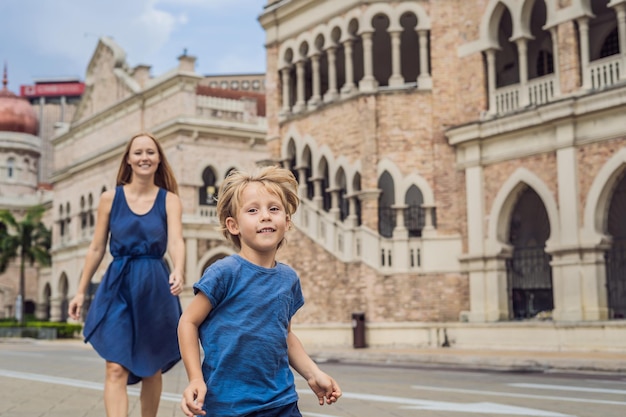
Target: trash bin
[{"x": 358, "y": 329}]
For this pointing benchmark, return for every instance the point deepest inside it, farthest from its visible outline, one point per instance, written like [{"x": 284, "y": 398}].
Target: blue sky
[{"x": 56, "y": 38}]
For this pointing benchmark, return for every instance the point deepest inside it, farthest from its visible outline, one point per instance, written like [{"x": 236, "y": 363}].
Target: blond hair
[
  {"x": 163, "y": 177},
  {"x": 278, "y": 181}
]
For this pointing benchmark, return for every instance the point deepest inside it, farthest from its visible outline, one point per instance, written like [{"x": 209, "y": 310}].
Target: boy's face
[{"x": 260, "y": 222}]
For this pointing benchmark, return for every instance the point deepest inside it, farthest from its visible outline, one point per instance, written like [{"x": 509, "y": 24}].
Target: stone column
[
  {"x": 491, "y": 80},
  {"x": 424, "y": 81},
  {"x": 522, "y": 56},
  {"x": 400, "y": 231},
  {"x": 318, "y": 198},
  {"x": 554, "y": 34},
  {"x": 55, "y": 309},
  {"x": 332, "y": 93},
  {"x": 191, "y": 259},
  {"x": 349, "y": 87},
  {"x": 302, "y": 181},
  {"x": 583, "y": 30},
  {"x": 396, "y": 79},
  {"x": 352, "y": 219},
  {"x": 300, "y": 103},
  {"x": 334, "y": 211},
  {"x": 316, "y": 97},
  {"x": 286, "y": 90},
  {"x": 620, "y": 10},
  {"x": 368, "y": 83}
]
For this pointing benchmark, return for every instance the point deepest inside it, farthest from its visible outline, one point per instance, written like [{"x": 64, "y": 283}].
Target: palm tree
[{"x": 27, "y": 239}]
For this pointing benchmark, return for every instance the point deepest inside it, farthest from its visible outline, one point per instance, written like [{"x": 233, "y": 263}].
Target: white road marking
[
  {"x": 491, "y": 408},
  {"x": 407, "y": 403},
  {"x": 77, "y": 383},
  {"x": 516, "y": 395},
  {"x": 482, "y": 408},
  {"x": 569, "y": 388}
]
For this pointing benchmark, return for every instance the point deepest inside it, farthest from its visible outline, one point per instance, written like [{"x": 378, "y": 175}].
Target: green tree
[{"x": 27, "y": 240}]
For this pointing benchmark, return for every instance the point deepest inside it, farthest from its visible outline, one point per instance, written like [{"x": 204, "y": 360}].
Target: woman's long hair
[{"x": 163, "y": 177}]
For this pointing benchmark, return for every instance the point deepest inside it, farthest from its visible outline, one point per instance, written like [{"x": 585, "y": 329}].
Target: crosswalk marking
[
  {"x": 570, "y": 388},
  {"x": 517, "y": 395}
]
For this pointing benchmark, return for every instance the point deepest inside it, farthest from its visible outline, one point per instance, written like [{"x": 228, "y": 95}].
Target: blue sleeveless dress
[{"x": 133, "y": 318}]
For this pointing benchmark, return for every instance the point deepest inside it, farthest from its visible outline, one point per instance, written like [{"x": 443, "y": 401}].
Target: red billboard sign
[{"x": 52, "y": 90}]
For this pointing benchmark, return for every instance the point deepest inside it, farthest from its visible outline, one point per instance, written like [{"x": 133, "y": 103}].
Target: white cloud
[{"x": 44, "y": 38}]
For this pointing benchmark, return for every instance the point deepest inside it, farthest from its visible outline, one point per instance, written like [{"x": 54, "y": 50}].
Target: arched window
[
  {"x": 83, "y": 213},
  {"x": 326, "y": 202},
  {"x": 414, "y": 215},
  {"x": 540, "y": 54},
  {"x": 610, "y": 46},
  {"x": 381, "y": 44},
  {"x": 10, "y": 167},
  {"x": 208, "y": 192},
  {"x": 344, "y": 206},
  {"x": 507, "y": 60},
  {"x": 356, "y": 187},
  {"x": 386, "y": 199}
]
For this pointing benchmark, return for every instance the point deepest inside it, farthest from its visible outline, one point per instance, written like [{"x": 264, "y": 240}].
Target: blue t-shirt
[{"x": 244, "y": 338}]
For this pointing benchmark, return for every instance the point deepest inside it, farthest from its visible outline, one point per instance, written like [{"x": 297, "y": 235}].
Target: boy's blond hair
[{"x": 278, "y": 181}]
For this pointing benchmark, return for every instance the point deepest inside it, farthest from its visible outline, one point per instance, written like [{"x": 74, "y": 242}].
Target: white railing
[
  {"x": 541, "y": 90},
  {"x": 209, "y": 212},
  {"x": 538, "y": 91},
  {"x": 507, "y": 99},
  {"x": 604, "y": 72},
  {"x": 350, "y": 244},
  {"x": 228, "y": 109}
]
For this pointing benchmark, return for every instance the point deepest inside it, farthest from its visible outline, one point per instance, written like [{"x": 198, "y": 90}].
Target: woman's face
[{"x": 143, "y": 156}]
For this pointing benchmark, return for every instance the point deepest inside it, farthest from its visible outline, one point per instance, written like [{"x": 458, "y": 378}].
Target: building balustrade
[{"x": 358, "y": 243}]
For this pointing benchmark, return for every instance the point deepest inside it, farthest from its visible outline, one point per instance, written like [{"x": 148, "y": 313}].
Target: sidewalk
[{"x": 502, "y": 360}]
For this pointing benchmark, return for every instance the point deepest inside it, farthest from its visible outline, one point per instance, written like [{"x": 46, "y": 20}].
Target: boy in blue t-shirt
[{"x": 242, "y": 311}]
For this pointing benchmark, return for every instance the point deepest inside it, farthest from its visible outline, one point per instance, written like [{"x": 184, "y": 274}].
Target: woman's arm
[
  {"x": 95, "y": 252},
  {"x": 175, "y": 241},
  {"x": 322, "y": 384}
]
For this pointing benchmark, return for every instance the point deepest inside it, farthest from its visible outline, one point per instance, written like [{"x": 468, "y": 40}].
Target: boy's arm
[
  {"x": 190, "y": 321},
  {"x": 322, "y": 384}
]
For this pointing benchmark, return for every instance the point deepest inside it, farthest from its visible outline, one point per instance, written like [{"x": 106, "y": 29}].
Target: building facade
[
  {"x": 461, "y": 165},
  {"x": 54, "y": 101},
  {"x": 205, "y": 133},
  {"x": 20, "y": 158}
]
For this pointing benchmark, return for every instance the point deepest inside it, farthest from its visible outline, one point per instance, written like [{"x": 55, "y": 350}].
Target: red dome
[{"x": 16, "y": 113}]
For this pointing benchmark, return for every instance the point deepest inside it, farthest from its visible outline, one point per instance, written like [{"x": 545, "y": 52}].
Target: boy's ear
[{"x": 231, "y": 225}]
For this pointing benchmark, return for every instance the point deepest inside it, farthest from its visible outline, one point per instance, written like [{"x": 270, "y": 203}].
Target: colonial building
[
  {"x": 54, "y": 101},
  {"x": 20, "y": 157},
  {"x": 461, "y": 165},
  {"x": 205, "y": 132}
]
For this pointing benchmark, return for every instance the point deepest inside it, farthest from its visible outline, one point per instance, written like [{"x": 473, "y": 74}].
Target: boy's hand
[
  {"x": 324, "y": 387},
  {"x": 193, "y": 398}
]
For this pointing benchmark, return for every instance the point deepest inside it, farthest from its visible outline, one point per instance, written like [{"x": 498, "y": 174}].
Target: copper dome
[{"x": 16, "y": 113}]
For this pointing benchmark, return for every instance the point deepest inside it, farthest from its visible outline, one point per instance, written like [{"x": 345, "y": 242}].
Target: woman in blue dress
[{"x": 133, "y": 319}]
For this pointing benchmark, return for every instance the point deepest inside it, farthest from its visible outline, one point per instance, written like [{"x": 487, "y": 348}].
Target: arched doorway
[
  {"x": 616, "y": 255},
  {"x": 528, "y": 271},
  {"x": 63, "y": 291},
  {"x": 45, "y": 307}
]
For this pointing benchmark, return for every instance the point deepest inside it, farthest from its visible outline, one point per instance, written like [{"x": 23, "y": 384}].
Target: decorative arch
[
  {"x": 213, "y": 253},
  {"x": 423, "y": 20},
  {"x": 422, "y": 184},
  {"x": 387, "y": 165},
  {"x": 599, "y": 198},
  {"x": 376, "y": 9},
  {"x": 337, "y": 23},
  {"x": 504, "y": 204},
  {"x": 323, "y": 152}
]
